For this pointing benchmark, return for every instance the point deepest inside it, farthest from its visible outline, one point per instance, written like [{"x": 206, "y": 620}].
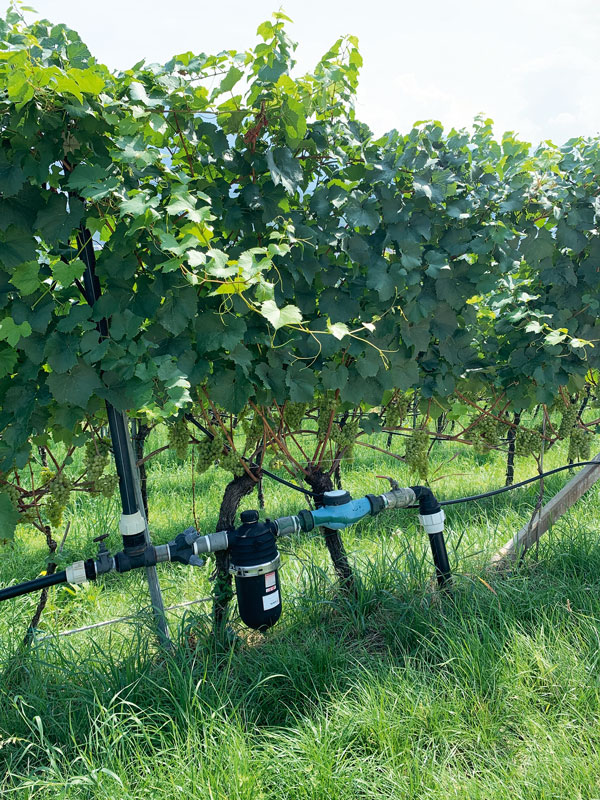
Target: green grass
[{"x": 399, "y": 693}]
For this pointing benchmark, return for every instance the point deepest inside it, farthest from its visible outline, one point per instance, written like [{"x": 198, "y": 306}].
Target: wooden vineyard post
[
  {"x": 530, "y": 533},
  {"x": 156, "y": 598}
]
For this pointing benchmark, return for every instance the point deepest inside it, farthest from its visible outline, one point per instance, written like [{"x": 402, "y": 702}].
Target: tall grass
[{"x": 398, "y": 692}]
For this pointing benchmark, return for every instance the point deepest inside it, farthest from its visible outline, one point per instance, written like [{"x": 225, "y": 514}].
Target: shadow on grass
[{"x": 323, "y": 646}]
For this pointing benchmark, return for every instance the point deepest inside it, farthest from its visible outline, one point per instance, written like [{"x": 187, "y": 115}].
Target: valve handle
[
  {"x": 101, "y": 538},
  {"x": 393, "y": 482}
]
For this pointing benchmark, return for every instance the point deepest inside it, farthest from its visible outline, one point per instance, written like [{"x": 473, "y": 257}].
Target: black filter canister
[{"x": 254, "y": 560}]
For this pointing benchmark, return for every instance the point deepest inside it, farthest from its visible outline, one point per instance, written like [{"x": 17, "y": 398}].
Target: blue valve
[{"x": 339, "y": 517}]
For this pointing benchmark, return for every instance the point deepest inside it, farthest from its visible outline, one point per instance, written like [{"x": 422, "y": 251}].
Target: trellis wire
[{"x": 114, "y": 621}]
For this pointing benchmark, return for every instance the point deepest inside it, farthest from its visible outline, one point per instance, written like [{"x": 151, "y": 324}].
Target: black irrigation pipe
[{"x": 515, "y": 485}]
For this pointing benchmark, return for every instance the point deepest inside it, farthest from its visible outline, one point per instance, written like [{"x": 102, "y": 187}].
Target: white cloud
[{"x": 532, "y": 65}]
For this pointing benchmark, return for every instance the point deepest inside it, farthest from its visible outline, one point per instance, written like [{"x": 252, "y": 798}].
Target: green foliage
[{"x": 255, "y": 241}]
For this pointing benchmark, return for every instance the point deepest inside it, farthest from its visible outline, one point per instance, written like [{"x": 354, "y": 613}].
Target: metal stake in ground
[{"x": 156, "y": 598}]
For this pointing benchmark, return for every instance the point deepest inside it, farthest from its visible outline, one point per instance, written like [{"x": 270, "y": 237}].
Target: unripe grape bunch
[
  {"x": 59, "y": 489},
  {"x": 230, "y": 461},
  {"x": 486, "y": 433},
  {"x": 107, "y": 484},
  {"x": 416, "y": 455},
  {"x": 396, "y": 411},
  {"x": 207, "y": 452},
  {"x": 345, "y": 436},
  {"x": 580, "y": 443},
  {"x": 96, "y": 458},
  {"x": 254, "y": 430},
  {"x": 179, "y": 438},
  {"x": 527, "y": 442},
  {"x": 293, "y": 414},
  {"x": 25, "y": 514},
  {"x": 327, "y": 406},
  {"x": 568, "y": 420}
]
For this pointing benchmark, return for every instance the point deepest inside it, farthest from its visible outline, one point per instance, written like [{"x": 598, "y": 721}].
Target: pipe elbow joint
[{"x": 428, "y": 502}]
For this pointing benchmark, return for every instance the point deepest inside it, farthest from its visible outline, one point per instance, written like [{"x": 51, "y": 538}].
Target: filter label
[
  {"x": 270, "y": 600},
  {"x": 270, "y": 581}
]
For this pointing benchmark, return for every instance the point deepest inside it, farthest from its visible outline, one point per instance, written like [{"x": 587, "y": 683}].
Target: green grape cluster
[
  {"x": 179, "y": 437},
  {"x": 527, "y": 442},
  {"x": 230, "y": 461},
  {"x": 344, "y": 436},
  {"x": 254, "y": 430},
  {"x": 486, "y": 434},
  {"x": 568, "y": 420},
  {"x": 107, "y": 484},
  {"x": 59, "y": 489},
  {"x": 326, "y": 407},
  {"x": 96, "y": 458},
  {"x": 13, "y": 493},
  {"x": 207, "y": 452},
  {"x": 25, "y": 514},
  {"x": 580, "y": 444},
  {"x": 276, "y": 460},
  {"x": 293, "y": 414},
  {"x": 416, "y": 452},
  {"x": 28, "y": 515},
  {"x": 396, "y": 411}
]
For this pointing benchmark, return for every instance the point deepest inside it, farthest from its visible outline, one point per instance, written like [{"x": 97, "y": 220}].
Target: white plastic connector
[
  {"x": 433, "y": 523},
  {"x": 76, "y": 572},
  {"x": 130, "y": 524}
]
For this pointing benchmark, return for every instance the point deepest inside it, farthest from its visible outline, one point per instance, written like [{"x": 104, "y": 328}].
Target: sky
[{"x": 533, "y": 66}]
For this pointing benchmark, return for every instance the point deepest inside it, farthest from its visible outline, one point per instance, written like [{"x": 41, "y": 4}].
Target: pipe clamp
[{"x": 259, "y": 569}]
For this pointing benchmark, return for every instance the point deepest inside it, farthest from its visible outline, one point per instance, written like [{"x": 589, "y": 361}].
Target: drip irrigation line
[
  {"x": 515, "y": 485},
  {"x": 265, "y": 471}
]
